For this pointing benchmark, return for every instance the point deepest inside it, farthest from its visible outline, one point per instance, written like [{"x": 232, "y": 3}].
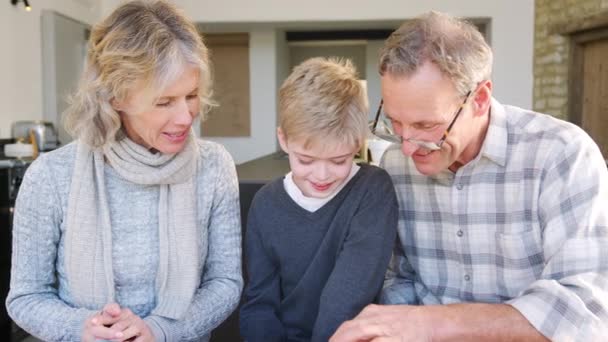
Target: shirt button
[
  {"x": 459, "y": 186},
  {"x": 467, "y": 277},
  {"x": 460, "y": 233}
]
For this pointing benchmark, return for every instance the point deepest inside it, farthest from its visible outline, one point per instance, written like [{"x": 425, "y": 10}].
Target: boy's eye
[
  {"x": 339, "y": 162},
  {"x": 305, "y": 161},
  {"x": 192, "y": 97},
  {"x": 163, "y": 103}
]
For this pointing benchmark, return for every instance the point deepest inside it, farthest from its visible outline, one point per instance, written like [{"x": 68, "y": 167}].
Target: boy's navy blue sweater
[{"x": 311, "y": 271}]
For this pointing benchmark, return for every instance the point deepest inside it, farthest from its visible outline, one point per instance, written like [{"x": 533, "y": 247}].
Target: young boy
[{"x": 318, "y": 240}]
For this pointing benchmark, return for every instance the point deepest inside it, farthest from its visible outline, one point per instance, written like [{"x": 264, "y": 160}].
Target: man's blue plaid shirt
[{"x": 524, "y": 223}]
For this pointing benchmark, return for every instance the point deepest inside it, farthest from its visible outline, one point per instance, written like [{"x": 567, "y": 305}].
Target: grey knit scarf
[{"x": 88, "y": 242}]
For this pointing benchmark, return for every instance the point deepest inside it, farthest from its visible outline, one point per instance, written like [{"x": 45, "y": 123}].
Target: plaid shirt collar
[{"x": 495, "y": 144}]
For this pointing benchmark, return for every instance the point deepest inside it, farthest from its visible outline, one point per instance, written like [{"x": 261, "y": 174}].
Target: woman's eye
[
  {"x": 192, "y": 97},
  {"x": 163, "y": 103},
  {"x": 339, "y": 162},
  {"x": 305, "y": 162}
]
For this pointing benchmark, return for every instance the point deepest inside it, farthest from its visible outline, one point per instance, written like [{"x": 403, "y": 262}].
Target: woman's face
[{"x": 165, "y": 124}]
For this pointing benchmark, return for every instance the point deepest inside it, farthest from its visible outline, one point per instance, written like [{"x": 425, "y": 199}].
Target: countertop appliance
[
  {"x": 11, "y": 174},
  {"x": 43, "y": 132}
]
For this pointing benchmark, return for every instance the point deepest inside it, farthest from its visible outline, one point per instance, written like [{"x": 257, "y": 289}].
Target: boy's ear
[{"x": 282, "y": 140}]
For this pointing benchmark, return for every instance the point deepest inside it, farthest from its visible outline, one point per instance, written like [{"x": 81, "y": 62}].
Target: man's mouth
[{"x": 423, "y": 152}]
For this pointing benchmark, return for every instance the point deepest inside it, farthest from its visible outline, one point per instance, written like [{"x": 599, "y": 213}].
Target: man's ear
[
  {"x": 482, "y": 99},
  {"x": 282, "y": 140}
]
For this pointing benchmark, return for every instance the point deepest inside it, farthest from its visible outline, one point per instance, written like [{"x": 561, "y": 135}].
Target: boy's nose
[{"x": 322, "y": 173}]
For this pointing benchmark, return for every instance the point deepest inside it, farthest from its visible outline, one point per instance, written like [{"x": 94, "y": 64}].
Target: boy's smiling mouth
[{"x": 321, "y": 187}]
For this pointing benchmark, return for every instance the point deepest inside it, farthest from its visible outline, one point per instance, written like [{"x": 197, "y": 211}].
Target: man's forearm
[{"x": 479, "y": 322}]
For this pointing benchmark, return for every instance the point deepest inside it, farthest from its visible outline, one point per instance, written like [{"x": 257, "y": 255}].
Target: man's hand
[
  {"x": 450, "y": 322},
  {"x": 386, "y": 323}
]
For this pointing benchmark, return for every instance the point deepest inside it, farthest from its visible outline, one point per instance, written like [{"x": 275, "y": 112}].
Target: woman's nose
[{"x": 183, "y": 114}]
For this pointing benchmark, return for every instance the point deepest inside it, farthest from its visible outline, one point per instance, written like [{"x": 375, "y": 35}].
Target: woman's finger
[
  {"x": 122, "y": 325},
  {"x": 132, "y": 332},
  {"x": 104, "y": 333},
  {"x": 112, "y": 309},
  {"x": 104, "y": 319}
]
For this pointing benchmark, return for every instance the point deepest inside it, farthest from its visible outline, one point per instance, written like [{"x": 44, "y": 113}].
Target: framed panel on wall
[{"x": 229, "y": 54}]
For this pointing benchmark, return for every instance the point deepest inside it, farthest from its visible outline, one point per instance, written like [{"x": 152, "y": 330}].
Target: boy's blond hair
[{"x": 321, "y": 100}]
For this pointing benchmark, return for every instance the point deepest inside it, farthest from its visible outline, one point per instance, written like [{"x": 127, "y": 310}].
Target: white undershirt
[{"x": 310, "y": 203}]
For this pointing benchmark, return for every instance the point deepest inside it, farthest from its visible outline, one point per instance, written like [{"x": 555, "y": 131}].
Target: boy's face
[{"x": 320, "y": 169}]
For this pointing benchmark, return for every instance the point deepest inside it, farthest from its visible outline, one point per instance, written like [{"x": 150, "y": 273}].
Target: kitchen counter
[{"x": 264, "y": 169}]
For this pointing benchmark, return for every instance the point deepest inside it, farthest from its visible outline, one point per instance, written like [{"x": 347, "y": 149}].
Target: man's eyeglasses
[{"x": 385, "y": 132}]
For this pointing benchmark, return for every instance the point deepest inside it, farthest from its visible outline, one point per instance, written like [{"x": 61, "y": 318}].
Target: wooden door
[{"x": 594, "y": 118}]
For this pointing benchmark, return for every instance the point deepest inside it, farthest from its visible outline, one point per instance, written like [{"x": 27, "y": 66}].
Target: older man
[{"x": 503, "y": 231}]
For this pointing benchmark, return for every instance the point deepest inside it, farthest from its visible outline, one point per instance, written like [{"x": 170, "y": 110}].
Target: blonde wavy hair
[
  {"x": 454, "y": 45},
  {"x": 141, "y": 42},
  {"x": 321, "y": 100}
]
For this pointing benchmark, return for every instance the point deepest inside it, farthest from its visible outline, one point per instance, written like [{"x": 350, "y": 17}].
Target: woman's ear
[
  {"x": 282, "y": 140},
  {"x": 117, "y": 105}
]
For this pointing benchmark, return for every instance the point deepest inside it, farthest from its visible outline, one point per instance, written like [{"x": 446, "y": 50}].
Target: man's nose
[{"x": 408, "y": 148}]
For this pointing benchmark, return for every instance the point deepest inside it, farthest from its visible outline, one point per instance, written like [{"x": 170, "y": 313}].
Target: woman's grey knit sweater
[{"x": 40, "y": 301}]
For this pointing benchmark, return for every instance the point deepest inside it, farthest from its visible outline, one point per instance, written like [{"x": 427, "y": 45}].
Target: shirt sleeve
[
  {"x": 360, "y": 266},
  {"x": 220, "y": 289},
  {"x": 570, "y": 300},
  {"x": 399, "y": 281},
  {"x": 33, "y": 302},
  {"x": 259, "y": 321}
]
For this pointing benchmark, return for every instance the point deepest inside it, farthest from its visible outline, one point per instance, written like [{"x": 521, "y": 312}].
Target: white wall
[
  {"x": 283, "y": 66},
  {"x": 512, "y": 28},
  {"x": 20, "y": 57},
  {"x": 373, "y": 77}
]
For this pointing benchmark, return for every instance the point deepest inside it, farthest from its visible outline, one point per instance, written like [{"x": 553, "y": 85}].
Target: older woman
[{"x": 132, "y": 232}]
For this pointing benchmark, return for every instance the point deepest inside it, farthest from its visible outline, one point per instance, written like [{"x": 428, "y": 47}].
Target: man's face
[{"x": 421, "y": 107}]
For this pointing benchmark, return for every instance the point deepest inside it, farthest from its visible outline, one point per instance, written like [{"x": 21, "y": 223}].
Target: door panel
[{"x": 595, "y": 92}]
